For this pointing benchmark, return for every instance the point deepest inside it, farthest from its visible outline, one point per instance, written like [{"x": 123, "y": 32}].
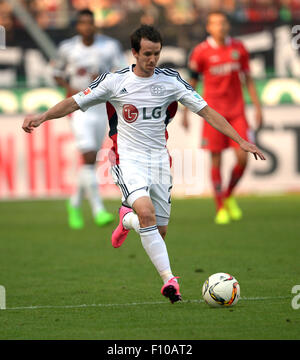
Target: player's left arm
[
  {"x": 221, "y": 124},
  {"x": 250, "y": 84}
]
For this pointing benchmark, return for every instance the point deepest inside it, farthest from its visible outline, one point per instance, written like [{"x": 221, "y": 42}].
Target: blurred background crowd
[
  {"x": 58, "y": 14},
  {"x": 182, "y": 22},
  {"x": 109, "y": 14}
]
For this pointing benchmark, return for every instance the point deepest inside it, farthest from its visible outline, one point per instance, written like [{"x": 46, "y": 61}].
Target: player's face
[
  {"x": 85, "y": 26},
  {"x": 217, "y": 26},
  {"x": 147, "y": 57}
]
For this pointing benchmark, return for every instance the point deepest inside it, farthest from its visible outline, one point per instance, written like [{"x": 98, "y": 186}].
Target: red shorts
[{"x": 215, "y": 141}]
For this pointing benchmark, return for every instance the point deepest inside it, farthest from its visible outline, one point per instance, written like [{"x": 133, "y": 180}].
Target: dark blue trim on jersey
[
  {"x": 122, "y": 71},
  {"x": 174, "y": 73},
  {"x": 98, "y": 80}
]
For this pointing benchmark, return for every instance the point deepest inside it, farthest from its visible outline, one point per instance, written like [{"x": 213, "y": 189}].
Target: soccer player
[
  {"x": 141, "y": 101},
  {"x": 223, "y": 61},
  {"x": 80, "y": 60}
]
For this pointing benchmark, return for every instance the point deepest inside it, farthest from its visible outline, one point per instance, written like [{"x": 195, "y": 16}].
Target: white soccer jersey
[
  {"x": 139, "y": 109},
  {"x": 80, "y": 63}
]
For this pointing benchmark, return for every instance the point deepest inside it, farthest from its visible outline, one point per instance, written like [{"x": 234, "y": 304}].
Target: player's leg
[
  {"x": 84, "y": 128},
  {"x": 237, "y": 171},
  {"x": 236, "y": 175},
  {"x": 132, "y": 182},
  {"x": 216, "y": 178},
  {"x": 163, "y": 230},
  {"x": 151, "y": 238},
  {"x": 222, "y": 216},
  {"x": 98, "y": 119},
  {"x": 131, "y": 222},
  {"x": 144, "y": 220},
  {"x": 241, "y": 126},
  {"x": 161, "y": 198},
  {"x": 215, "y": 142},
  {"x": 91, "y": 186},
  {"x": 155, "y": 246},
  {"x": 75, "y": 217}
]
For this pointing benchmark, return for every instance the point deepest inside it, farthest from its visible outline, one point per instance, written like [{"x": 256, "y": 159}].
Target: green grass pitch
[{"x": 64, "y": 284}]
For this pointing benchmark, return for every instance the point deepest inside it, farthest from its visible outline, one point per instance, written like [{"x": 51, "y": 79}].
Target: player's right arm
[{"x": 63, "y": 108}]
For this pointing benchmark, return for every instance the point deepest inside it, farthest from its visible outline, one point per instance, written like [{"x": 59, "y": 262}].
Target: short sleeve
[
  {"x": 187, "y": 96},
  {"x": 193, "y": 101},
  {"x": 99, "y": 91},
  {"x": 244, "y": 59}
]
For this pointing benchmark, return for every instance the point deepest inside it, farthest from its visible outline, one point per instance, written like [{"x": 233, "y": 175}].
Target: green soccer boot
[{"x": 75, "y": 218}]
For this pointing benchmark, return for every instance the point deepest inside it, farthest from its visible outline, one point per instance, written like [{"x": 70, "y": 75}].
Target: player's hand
[
  {"x": 248, "y": 147},
  {"x": 31, "y": 122}
]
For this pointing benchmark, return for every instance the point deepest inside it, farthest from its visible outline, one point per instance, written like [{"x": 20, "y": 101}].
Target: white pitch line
[{"x": 133, "y": 304}]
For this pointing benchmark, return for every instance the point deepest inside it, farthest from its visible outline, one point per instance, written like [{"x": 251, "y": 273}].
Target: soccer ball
[{"x": 221, "y": 289}]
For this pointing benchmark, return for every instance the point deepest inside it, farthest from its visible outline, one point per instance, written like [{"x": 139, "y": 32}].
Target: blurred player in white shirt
[
  {"x": 80, "y": 60},
  {"x": 141, "y": 100}
]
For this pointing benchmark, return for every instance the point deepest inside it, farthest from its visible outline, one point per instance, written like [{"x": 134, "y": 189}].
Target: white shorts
[
  {"x": 89, "y": 128},
  {"x": 136, "y": 180}
]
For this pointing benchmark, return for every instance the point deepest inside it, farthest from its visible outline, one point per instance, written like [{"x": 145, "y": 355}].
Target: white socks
[
  {"x": 153, "y": 244},
  {"x": 156, "y": 249},
  {"x": 88, "y": 184}
]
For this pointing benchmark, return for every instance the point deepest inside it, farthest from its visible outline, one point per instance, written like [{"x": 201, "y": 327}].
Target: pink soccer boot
[
  {"x": 171, "y": 290},
  {"x": 120, "y": 233}
]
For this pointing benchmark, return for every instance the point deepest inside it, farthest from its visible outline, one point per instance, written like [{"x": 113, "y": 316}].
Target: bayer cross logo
[
  {"x": 157, "y": 90},
  {"x": 130, "y": 113}
]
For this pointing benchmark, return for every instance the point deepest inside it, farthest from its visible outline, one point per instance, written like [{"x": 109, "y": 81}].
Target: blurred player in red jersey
[{"x": 223, "y": 61}]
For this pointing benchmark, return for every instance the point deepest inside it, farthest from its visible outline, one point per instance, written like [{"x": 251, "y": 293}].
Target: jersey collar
[{"x": 131, "y": 67}]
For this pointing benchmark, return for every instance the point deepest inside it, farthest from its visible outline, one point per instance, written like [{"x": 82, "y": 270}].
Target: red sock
[
  {"x": 217, "y": 186},
  {"x": 236, "y": 174}
]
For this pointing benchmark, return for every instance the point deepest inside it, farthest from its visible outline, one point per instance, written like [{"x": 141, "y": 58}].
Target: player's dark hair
[
  {"x": 217, "y": 12},
  {"x": 144, "y": 32},
  {"x": 84, "y": 12}
]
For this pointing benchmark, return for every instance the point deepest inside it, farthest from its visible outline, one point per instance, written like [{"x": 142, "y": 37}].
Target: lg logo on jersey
[{"x": 131, "y": 113}]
